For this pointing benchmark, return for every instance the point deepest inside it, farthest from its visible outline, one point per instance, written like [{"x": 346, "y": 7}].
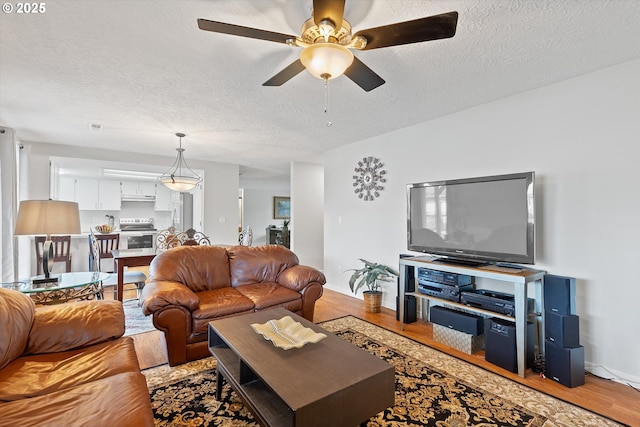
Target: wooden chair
[
  {"x": 61, "y": 251},
  {"x": 97, "y": 247},
  {"x": 106, "y": 243}
]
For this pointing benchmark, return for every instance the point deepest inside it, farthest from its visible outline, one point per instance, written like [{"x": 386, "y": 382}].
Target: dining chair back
[
  {"x": 96, "y": 248},
  {"x": 61, "y": 251},
  {"x": 106, "y": 243}
]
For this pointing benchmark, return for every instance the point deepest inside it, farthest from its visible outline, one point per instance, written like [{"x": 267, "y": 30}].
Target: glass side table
[{"x": 70, "y": 286}]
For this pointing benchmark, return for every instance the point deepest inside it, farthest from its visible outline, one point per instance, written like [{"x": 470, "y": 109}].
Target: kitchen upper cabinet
[
  {"x": 93, "y": 194},
  {"x": 66, "y": 189},
  {"x": 109, "y": 196},
  {"x": 163, "y": 198},
  {"x": 86, "y": 193},
  {"x": 139, "y": 188}
]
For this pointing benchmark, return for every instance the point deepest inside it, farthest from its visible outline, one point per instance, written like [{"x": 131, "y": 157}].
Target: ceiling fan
[{"x": 326, "y": 40}]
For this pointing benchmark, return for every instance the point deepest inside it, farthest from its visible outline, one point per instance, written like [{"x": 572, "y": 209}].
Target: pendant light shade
[{"x": 180, "y": 177}]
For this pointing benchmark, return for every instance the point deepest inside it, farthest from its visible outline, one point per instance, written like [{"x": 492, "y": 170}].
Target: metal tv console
[{"x": 520, "y": 279}]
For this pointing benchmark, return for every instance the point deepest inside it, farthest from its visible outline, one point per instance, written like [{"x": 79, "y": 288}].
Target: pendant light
[{"x": 180, "y": 177}]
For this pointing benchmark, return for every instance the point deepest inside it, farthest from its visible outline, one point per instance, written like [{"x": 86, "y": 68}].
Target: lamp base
[{"x": 44, "y": 279}]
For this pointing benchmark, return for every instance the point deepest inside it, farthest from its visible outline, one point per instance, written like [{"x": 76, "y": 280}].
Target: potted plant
[{"x": 371, "y": 276}]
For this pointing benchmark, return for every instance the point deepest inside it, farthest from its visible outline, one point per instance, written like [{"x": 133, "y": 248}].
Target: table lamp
[{"x": 47, "y": 217}]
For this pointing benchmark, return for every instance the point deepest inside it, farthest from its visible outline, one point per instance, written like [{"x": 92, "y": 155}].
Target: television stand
[
  {"x": 463, "y": 262},
  {"x": 520, "y": 280}
]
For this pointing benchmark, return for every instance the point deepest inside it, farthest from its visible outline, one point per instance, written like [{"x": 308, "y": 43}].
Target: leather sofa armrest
[
  {"x": 63, "y": 327},
  {"x": 299, "y": 276},
  {"x": 163, "y": 293}
]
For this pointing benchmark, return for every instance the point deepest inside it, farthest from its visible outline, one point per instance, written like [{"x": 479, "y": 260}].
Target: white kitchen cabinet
[
  {"x": 147, "y": 188},
  {"x": 66, "y": 189},
  {"x": 86, "y": 193},
  {"x": 163, "y": 198},
  {"x": 139, "y": 188},
  {"x": 93, "y": 194},
  {"x": 109, "y": 196}
]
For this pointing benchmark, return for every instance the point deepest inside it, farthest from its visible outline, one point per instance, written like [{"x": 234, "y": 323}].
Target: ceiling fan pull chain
[{"x": 326, "y": 94}]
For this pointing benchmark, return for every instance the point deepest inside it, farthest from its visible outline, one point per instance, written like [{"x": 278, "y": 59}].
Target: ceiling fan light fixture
[
  {"x": 326, "y": 60},
  {"x": 180, "y": 177}
]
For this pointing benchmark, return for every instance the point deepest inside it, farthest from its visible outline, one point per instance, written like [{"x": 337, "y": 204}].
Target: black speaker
[
  {"x": 560, "y": 294},
  {"x": 500, "y": 343},
  {"x": 410, "y": 303},
  {"x": 458, "y": 320},
  {"x": 564, "y": 365},
  {"x": 562, "y": 329}
]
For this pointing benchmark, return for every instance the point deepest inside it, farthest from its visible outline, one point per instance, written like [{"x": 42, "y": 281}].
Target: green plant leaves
[{"x": 370, "y": 275}]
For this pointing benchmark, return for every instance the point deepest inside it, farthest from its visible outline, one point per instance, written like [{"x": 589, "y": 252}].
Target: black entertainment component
[
  {"x": 562, "y": 329},
  {"x": 410, "y": 302},
  {"x": 564, "y": 365},
  {"x": 443, "y": 285},
  {"x": 500, "y": 343},
  {"x": 468, "y": 323},
  {"x": 453, "y": 279},
  {"x": 440, "y": 290},
  {"x": 498, "y": 302},
  {"x": 560, "y": 294}
]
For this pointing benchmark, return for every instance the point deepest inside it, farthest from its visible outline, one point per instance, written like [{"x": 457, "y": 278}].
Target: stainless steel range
[
  {"x": 137, "y": 224},
  {"x": 138, "y": 241}
]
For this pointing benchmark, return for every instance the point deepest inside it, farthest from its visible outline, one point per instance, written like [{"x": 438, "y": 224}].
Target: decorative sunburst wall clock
[{"x": 368, "y": 179}]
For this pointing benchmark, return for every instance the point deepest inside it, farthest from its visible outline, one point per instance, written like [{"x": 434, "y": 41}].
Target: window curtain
[{"x": 8, "y": 204}]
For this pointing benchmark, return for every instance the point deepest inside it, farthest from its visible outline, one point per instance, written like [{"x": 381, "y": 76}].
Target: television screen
[{"x": 484, "y": 219}]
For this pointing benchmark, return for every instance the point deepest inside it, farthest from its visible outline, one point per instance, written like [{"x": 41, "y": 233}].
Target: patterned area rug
[
  {"x": 135, "y": 321},
  {"x": 432, "y": 389}
]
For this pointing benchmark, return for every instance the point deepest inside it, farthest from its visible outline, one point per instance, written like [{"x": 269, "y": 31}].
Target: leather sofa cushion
[
  {"x": 266, "y": 295},
  {"x": 200, "y": 268},
  {"x": 121, "y": 400},
  {"x": 62, "y": 327},
  {"x": 257, "y": 264},
  {"x": 40, "y": 374},
  {"x": 216, "y": 304},
  {"x": 16, "y": 316}
]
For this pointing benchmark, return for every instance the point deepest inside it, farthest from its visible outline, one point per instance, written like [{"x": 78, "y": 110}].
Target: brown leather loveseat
[
  {"x": 190, "y": 286},
  {"x": 68, "y": 365}
]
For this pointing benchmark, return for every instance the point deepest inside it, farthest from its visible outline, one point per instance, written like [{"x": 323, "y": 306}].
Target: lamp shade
[
  {"x": 47, "y": 217},
  {"x": 326, "y": 60}
]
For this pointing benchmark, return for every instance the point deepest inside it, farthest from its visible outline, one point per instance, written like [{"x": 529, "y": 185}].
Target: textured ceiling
[{"x": 143, "y": 70}]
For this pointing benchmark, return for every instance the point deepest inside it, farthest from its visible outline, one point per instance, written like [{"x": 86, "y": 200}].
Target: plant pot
[{"x": 372, "y": 301}]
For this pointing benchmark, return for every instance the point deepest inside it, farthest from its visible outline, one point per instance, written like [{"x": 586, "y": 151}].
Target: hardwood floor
[{"x": 614, "y": 400}]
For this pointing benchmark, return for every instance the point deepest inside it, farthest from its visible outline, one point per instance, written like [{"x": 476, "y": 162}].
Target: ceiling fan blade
[
  {"x": 285, "y": 75},
  {"x": 363, "y": 76},
  {"x": 419, "y": 30},
  {"x": 332, "y": 10},
  {"x": 238, "y": 30}
]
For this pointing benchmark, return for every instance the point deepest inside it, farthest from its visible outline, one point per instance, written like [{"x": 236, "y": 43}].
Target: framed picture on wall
[{"x": 281, "y": 207}]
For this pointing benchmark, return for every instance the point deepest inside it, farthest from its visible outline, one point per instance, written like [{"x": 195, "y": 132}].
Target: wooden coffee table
[{"x": 331, "y": 382}]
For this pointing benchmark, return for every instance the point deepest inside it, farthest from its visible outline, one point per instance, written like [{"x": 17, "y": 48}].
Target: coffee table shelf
[{"x": 269, "y": 409}]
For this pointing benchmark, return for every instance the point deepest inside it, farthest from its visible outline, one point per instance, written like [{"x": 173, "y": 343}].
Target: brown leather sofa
[
  {"x": 190, "y": 286},
  {"x": 68, "y": 365}
]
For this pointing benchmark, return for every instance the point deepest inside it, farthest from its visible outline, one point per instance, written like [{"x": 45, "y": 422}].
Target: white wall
[
  {"x": 258, "y": 211},
  {"x": 580, "y": 137},
  {"x": 307, "y": 213}
]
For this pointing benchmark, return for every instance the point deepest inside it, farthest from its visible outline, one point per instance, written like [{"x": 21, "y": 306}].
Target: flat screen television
[{"x": 475, "y": 220}]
